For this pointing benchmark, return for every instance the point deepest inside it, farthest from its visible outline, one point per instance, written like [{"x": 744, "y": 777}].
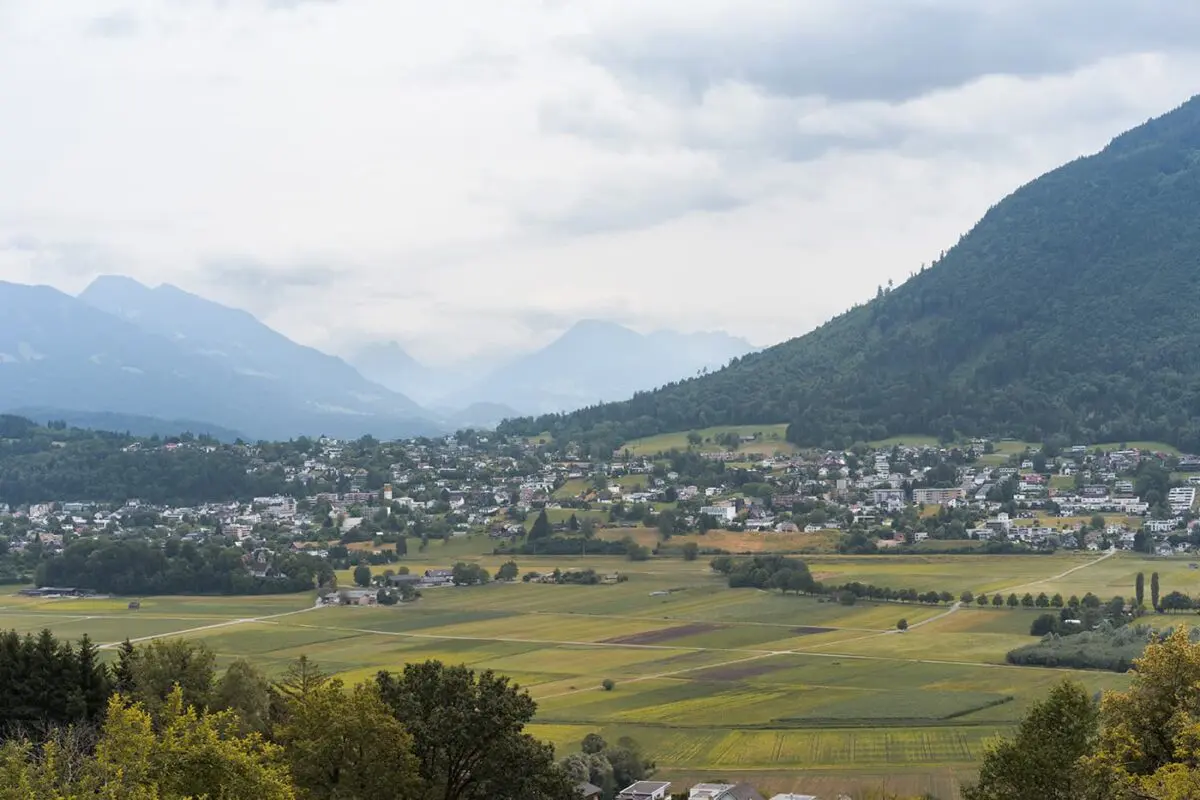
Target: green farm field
[
  {"x": 772, "y": 439},
  {"x": 906, "y": 440},
  {"x": 786, "y": 692}
]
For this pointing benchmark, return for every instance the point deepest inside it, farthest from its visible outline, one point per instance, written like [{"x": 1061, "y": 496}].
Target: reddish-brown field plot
[
  {"x": 738, "y": 672},
  {"x": 666, "y": 634}
]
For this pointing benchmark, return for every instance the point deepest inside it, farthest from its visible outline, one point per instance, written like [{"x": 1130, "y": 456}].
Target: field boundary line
[
  {"x": 729, "y": 624},
  {"x": 554, "y": 642},
  {"x": 227, "y": 623},
  {"x": 670, "y": 674},
  {"x": 959, "y": 604},
  {"x": 1112, "y": 551}
]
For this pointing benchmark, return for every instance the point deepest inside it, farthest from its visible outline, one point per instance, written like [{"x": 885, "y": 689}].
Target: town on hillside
[{"x": 328, "y": 504}]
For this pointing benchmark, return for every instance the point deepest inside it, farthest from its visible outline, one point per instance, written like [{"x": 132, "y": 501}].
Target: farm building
[
  {"x": 55, "y": 591},
  {"x": 351, "y": 597}
]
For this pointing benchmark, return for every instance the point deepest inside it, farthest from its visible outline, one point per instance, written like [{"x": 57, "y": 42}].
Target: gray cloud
[
  {"x": 67, "y": 261},
  {"x": 555, "y": 322},
  {"x": 113, "y": 25},
  {"x": 611, "y": 209},
  {"x": 868, "y": 50},
  {"x": 22, "y": 243},
  {"x": 475, "y": 176},
  {"x": 298, "y": 3},
  {"x": 253, "y": 275}
]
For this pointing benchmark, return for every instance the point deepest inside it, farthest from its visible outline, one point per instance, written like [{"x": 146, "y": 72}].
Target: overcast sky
[{"x": 469, "y": 176}]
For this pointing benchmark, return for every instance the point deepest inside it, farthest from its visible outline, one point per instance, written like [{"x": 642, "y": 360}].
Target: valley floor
[{"x": 786, "y": 692}]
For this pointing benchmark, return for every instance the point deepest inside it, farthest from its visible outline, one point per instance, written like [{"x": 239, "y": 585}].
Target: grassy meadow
[
  {"x": 789, "y": 693},
  {"x": 772, "y": 439}
]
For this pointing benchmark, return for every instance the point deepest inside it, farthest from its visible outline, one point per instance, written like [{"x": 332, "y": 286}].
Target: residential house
[
  {"x": 784, "y": 502},
  {"x": 438, "y": 577},
  {"x": 589, "y": 791},
  {"x": 407, "y": 579},
  {"x": 1000, "y": 522},
  {"x": 723, "y": 791},
  {"x": 760, "y": 522},
  {"x": 887, "y": 497},
  {"x": 645, "y": 790},
  {"x": 351, "y": 597}
]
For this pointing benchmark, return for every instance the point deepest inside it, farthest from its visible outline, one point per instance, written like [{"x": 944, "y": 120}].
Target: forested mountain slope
[
  {"x": 1072, "y": 307},
  {"x": 42, "y": 464}
]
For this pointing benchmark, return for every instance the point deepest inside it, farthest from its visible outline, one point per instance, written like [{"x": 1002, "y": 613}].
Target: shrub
[
  {"x": 1046, "y": 623},
  {"x": 608, "y": 684}
]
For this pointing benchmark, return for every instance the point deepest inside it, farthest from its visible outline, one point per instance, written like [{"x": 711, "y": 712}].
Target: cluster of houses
[
  {"x": 661, "y": 790},
  {"x": 482, "y": 483},
  {"x": 358, "y": 596}
]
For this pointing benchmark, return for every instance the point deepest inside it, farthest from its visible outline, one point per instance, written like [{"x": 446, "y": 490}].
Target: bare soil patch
[
  {"x": 809, "y": 630},
  {"x": 738, "y": 672},
  {"x": 665, "y": 635}
]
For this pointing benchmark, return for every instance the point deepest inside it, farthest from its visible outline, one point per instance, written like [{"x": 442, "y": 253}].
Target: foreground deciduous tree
[
  {"x": 245, "y": 691},
  {"x": 1150, "y": 739},
  {"x": 468, "y": 733},
  {"x": 1142, "y": 744},
  {"x": 163, "y": 664},
  {"x": 189, "y": 755},
  {"x": 347, "y": 746},
  {"x": 1041, "y": 759}
]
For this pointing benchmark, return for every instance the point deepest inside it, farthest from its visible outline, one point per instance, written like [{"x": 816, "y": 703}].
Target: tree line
[
  {"x": 163, "y": 724},
  {"x": 133, "y": 567}
]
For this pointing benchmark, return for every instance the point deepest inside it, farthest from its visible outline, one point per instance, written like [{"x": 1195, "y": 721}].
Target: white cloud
[{"x": 471, "y": 176}]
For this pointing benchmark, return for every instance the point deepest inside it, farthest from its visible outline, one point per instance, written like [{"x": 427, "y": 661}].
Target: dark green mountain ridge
[{"x": 1071, "y": 308}]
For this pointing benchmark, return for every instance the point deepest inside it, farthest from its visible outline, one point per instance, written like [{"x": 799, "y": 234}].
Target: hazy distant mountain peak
[
  {"x": 590, "y": 361},
  {"x": 597, "y": 360},
  {"x": 123, "y": 348},
  {"x": 115, "y": 283}
]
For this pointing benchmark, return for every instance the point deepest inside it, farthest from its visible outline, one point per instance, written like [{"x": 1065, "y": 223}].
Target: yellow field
[
  {"x": 572, "y": 488},
  {"x": 733, "y": 541}
]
